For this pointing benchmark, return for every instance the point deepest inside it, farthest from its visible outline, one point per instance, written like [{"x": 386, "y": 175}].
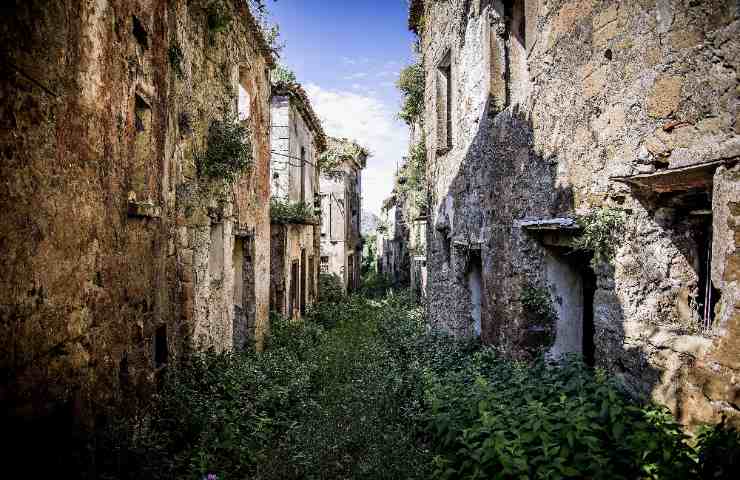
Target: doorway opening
[
  {"x": 303, "y": 282},
  {"x": 293, "y": 299},
  {"x": 475, "y": 283}
]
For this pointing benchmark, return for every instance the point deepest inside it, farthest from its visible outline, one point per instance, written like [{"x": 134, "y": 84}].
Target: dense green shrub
[
  {"x": 330, "y": 288},
  {"x": 228, "y": 152},
  {"x": 283, "y": 212},
  {"x": 500, "y": 419},
  {"x": 373, "y": 394},
  {"x": 375, "y": 285},
  {"x": 411, "y": 84}
]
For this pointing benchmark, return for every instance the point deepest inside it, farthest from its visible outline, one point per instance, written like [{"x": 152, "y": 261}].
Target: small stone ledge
[
  {"x": 145, "y": 209},
  {"x": 698, "y": 176}
]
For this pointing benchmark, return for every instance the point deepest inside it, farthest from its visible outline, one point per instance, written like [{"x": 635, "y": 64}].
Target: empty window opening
[
  {"x": 589, "y": 291},
  {"x": 124, "y": 377},
  {"x": 142, "y": 115},
  {"x": 244, "y": 99},
  {"x": 444, "y": 103},
  {"x": 161, "y": 351},
  {"x": 140, "y": 33},
  {"x": 293, "y": 288},
  {"x": 474, "y": 283},
  {"x": 324, "y": 265}
]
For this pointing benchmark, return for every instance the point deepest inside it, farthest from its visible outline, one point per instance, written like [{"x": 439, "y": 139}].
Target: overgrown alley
[{"x": 387, "y": 239}]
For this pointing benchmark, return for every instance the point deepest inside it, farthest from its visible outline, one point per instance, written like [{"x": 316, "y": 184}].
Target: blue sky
[{"x": 347, "y": 54}]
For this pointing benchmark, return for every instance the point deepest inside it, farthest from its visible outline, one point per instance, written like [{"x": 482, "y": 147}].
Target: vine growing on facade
[
  {"x": 331, "y": 159},
  {"x": 411, "y": 84},
  {"x": 602, "y": 231},
  {"x": 228, "y": 151}
]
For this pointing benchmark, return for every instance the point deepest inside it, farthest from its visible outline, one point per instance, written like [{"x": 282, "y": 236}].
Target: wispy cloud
[
  {"x": 355, "y": 76},
  {"x": 371, "y": 122}
]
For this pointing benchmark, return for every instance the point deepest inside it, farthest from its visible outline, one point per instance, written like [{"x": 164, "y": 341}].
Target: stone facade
[
  {"x": 538, "y": 112},
  {"x": 401, "y": 240},
  {"x": 297, "y": 141},
  {"x": 341, "y": 205},
  {"x": 119, "y": 258}
]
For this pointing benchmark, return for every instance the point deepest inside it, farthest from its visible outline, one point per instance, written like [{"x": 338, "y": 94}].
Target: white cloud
[
  {"x": 373, "y": 124},
  {"x": 356, "y": 76}
]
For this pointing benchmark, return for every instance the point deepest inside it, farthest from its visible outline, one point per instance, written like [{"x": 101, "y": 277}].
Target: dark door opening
[
  {"x": 293, "y": 289},
  {"x": 303, "y": 282},
  {"x": 589, "y": 291}
]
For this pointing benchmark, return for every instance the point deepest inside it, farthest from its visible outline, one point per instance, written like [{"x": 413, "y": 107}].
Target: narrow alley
[{"x": 449, "y": 239}]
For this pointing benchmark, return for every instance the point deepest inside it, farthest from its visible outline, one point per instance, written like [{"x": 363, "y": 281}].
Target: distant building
[
  {"x": 297, "y": 141},
  {"x": 341, "y": 204}
]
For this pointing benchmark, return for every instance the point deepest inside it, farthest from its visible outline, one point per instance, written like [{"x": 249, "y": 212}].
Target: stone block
[
  {"x": 593, "y": 80},
  {"x": 681, "y": 39},
  {"x": 665, "y": 96}
]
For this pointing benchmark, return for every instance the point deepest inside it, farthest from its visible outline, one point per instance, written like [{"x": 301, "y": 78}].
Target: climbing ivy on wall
[
  {"x": 602, "y": 232},
  {"x": 411, "y": 84},
  {"x": 228, "y": 151}
]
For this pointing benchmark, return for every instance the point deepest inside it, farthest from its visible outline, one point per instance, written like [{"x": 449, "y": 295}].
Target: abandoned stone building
[
  {"x": 297, "y": 141},
  {"x": 341, "y": 205},
  {"x": 127, "y": 241},
  {"x": 544, "y": 118},
  {"x": 401, "y": 236}
]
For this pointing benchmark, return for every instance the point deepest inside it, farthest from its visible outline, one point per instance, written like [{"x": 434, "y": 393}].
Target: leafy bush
[
  {"x": 281, "y": 74},
  {"x": 228, "y": 152},
  {"x": 411, "y": 84},
  {"x": 372, "y": 394},
  {"x": 330, "y": 288},
  {"x": 501, "y": 419},
  {"x": 602, "y": 232},
  {"x": 283, "y": 212},
  {"x": 375, "y": 285},
  {"x": 413, "y": 173}
]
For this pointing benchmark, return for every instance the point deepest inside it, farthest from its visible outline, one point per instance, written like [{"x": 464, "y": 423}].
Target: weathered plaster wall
[
  {"x": 107, "y": 228},
  {"x": 611, "y": 89},
  {"x": 340, "y": 227}
]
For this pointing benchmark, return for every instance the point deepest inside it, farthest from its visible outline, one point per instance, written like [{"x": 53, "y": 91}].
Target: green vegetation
[
  {"x": 218, "y": 16},
  {"x": 176, "y": 57},
  {"x": 361, "y": 389},
  {"x": 284, "y": 212},
  {"x": 412, "y": 175},
  {"x": 281, "y": 74},
  {"x": 337, "y": 153},
  {"x": 602, "y": 232},
  {"x": 411, "y": 84},
  {"x": 537, "y": 303},
  {"x": 228, "y": 152}
]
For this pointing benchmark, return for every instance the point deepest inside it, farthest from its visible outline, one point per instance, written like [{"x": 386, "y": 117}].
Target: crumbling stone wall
[
  {"x": 109, "y": 235},
  {"x": 611, "y": 90}
]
